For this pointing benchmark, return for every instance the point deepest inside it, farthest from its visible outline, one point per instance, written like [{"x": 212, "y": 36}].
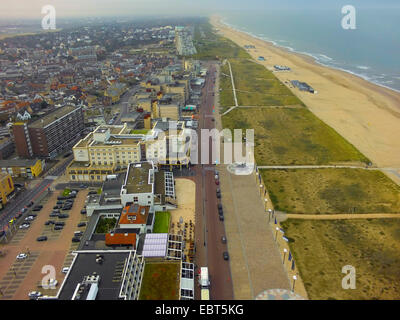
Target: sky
[{"x": 85, "y": 8}]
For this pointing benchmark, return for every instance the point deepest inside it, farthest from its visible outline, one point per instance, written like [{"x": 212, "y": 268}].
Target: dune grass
[
  {"x": 286, "y": 136},
  {"x": 329, "y": 191},
  {"x": 322, "y": 247}
]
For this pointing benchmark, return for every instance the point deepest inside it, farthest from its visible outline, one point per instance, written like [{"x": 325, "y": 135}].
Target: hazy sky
[{"x": 76, "y": 8}]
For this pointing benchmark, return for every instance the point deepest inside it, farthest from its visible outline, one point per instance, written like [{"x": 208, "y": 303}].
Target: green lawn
[
  {"x": 160, "y": 281},
  {"x": 292, "y": 136},
  {"x": 161, "y": 223},
  {"x": 322, "y": 247},
  {"x": 325, "y": 191},
  {"x": 66, "y": 192},
  {"x": 139, "y": 131},
  {"x": 105, "y": 225}
]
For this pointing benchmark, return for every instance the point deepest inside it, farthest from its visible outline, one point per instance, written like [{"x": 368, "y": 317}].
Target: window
[{"x": 135, "y": 199}]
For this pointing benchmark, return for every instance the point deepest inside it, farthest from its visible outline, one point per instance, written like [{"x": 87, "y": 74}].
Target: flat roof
[
  {"x": 111, "y": 272},
  {"x": 137, "y": 178},
  {"x": 18, "y": 163},
  {"x": 52, "y": 116}
]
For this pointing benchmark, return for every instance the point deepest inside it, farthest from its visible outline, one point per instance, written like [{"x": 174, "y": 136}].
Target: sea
[{"x": 370, "y": 51}]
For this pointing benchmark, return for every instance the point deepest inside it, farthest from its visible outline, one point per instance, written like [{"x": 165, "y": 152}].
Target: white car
[
  {"x": 34, "y": 294},
  {"x": 65, "y": 270},
  {"x": 22, "y": 256},
  {"x": 24, "y": 226},
  {"x": 30, "y": 218}
]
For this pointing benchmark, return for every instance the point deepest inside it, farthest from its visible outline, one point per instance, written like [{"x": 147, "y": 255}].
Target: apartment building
[{"x": 50, "y": 135}]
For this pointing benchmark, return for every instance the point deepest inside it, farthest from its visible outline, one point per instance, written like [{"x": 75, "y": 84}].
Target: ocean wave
[{"x": 363, "y": 67}]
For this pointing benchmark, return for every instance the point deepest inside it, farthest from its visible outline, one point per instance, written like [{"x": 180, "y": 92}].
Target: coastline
[
  {"x": 308, "y": 55},
  {"x": 366, "y": 114}
]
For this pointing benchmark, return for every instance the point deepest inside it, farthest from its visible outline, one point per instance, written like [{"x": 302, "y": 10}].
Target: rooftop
[
  {"x": 18, "y": 163},
  {"x": 138, "y": 178},
  {"x": 110, "y": 271},
  {"x": 52, "y": 116},
  {"x": 134, "y": 214}
]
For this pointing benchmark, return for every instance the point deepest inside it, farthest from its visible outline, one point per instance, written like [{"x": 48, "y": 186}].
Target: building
[
  {"x": 30, "y": 168},
  {"x": 103, "y": 275},
  {"x": 6, "y": 187},
  {"x": 109, "y": 149},
  {"x": 50, "y": 135}
]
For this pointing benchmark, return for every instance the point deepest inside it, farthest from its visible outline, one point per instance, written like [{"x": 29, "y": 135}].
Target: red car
[{"x": 217, "y": 182}]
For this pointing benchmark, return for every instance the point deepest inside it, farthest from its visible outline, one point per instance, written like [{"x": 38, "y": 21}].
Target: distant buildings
[
  {"x": 184, "y": 41},
  {"x": 50, "y": 135}
]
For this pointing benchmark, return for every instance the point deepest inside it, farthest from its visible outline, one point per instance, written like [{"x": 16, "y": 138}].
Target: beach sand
[{"x": 365, "y": 114}]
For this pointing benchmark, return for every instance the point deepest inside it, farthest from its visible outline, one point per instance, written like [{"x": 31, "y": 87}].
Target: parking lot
[{"x": 18, "y": 278}]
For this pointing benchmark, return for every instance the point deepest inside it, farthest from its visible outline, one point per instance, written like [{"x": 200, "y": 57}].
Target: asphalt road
[
  {"x": 29, "y": 195},
  {"x": 209, "y": 248},
  {"x": 124, "y": 103}
]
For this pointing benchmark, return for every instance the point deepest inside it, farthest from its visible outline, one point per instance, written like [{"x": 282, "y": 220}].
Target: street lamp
[
  {"x": 284, "y": 255},
  {"x": 294, "y": 281},
  {"x": 261, "y": 188},
  {"x": 265, "y": 200},
  {"x": 276, "y": 233},
  {"x": 269, "y": 215}
]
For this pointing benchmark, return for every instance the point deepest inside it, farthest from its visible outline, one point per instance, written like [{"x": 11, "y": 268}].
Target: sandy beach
[{"x": 365, "y": 114}]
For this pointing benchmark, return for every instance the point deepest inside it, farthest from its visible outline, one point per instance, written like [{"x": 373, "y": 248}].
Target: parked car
[
  {"x": 63, "y": 215},
  {"x": 22, "y": 256},
  {"x": 223, "y": 239},
  {"x": 75, "y": 239},
  {"x": 217, "y": 182},
  {"x": 60, "y": 202},
  {"x": 23, "y": 210},
  {"x": 218, "y": 193},
  {"x": 48, "y": 222},
  {"x": 78, "y": 233},
  {"x": 225, "y": 255},
  {"x": 37, "y": 208},
  {"x": 53, "y": 214},
  {"x": 83, "y": 186},
  {"x": 24, "y": 226},
  {"x": 83, "y": 211},
  {"x": 57, "y": 227},
  {"x": 82, "y": 224},
  {"x": 30, "y": 218},
  {"x": 58, "y": 206},
  {"x": 41, "y": 238},
  {"x": 221, "y": 218},
  {"x": 65, "y": 270},
  {"x": 61, "y": 198},
  {"x": 30, "y": 204},
  {"x": 59, "y": 223},
  {"x": 34, "y": 294}
]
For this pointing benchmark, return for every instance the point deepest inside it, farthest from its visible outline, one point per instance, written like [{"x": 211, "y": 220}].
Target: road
[
  {"x": 29, "y": 195},
  {"x": 124, "y": 104},
  {"x": 209, "y": 228}
]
